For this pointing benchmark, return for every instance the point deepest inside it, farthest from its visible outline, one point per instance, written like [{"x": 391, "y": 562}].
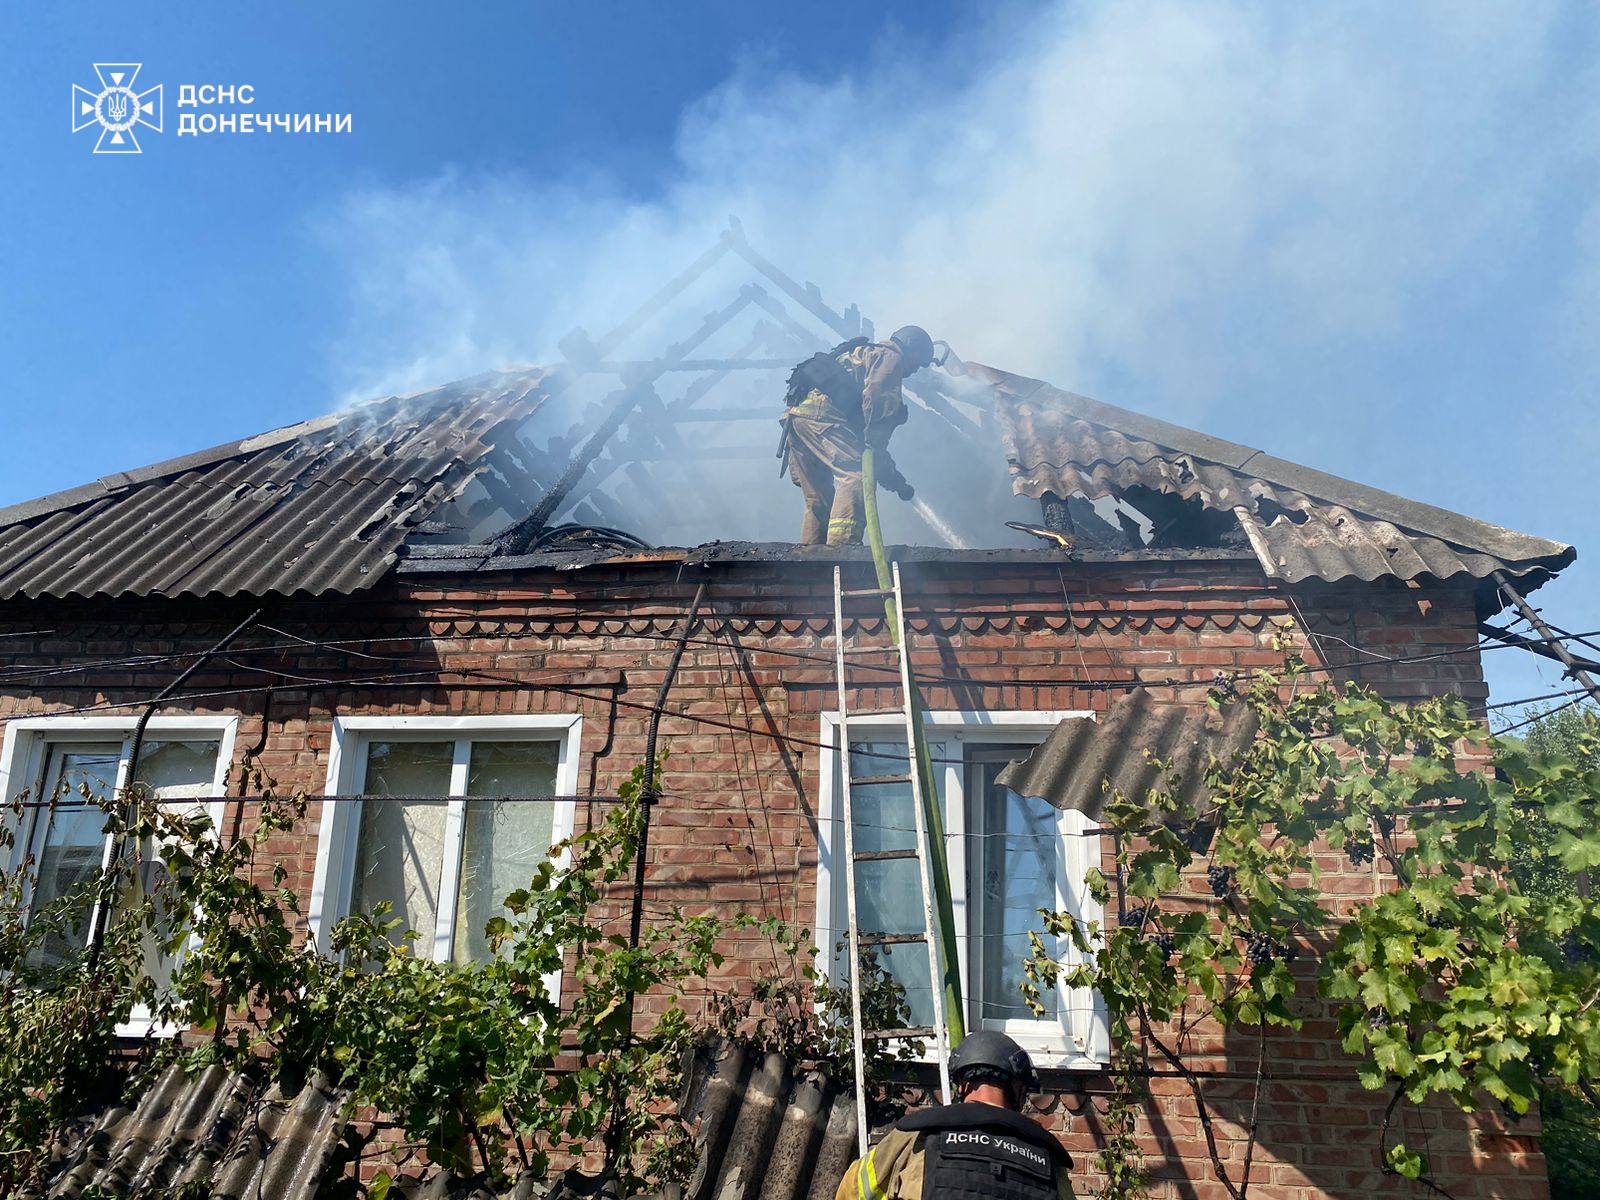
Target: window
[
  {"x": 441, "y": 817},
  {"x": 1009, "y": 857},
  {"x": 183, "y": 763}
]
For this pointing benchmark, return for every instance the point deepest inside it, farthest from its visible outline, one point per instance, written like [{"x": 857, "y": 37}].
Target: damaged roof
[
  {"x": 315, "y": 507},
  {"x": 1301, "y": 523},
  {"x": 331, "y": 505}
]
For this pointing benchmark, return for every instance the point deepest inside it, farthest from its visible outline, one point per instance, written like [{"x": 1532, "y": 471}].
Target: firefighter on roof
[
  {"x": 981, "y": 1148},
  {"x": 839, "y": 402}
]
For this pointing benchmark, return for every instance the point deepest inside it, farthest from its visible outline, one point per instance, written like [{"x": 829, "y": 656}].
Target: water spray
[{"x": 939, "y": 525}]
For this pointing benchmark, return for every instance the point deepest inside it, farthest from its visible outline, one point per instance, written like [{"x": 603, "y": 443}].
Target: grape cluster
[
  {"x": 1359, "y": 852},
  {"x": 1221, "y": 880},
  {"x": 1378, "y": 1018},
  {"x": 1134, "y": 918},
  {"x": 1576, "y": 950},
  {"x": 1261, "y": 949}
]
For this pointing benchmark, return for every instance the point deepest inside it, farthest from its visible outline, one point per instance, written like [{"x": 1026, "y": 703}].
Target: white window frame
[
  {"x": 1080, "y": 1039},
  {"x": 339, "y": 833},
  {"x": 24, "y": 757}
]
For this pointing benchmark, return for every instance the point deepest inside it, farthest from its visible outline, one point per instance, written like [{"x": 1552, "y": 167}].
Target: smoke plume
[{"x": 1344, "y": 233}]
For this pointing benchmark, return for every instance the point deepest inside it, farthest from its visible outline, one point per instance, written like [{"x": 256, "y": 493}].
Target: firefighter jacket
[
  {"x": 853, "y": 397},
  {"x": 961, "y": 1152},
  {"x": 874, "y": 403}
]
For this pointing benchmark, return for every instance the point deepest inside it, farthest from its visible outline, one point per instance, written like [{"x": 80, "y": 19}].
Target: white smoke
[
  {"x": 1144, "y": 190},
  {"x": 1249, "y": 217}
]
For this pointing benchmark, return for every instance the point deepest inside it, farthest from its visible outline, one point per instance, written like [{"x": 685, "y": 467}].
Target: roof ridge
[{"x": 1449, "y": 526}]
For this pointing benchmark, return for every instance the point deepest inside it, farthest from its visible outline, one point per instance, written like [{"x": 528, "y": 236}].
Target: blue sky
[{"x": 1364, "y": 236}]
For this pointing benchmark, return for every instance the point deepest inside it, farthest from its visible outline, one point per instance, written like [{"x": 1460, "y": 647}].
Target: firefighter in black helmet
[
  {"x": 981, "y": 1147},
  {"x": 839, "y": 402}
]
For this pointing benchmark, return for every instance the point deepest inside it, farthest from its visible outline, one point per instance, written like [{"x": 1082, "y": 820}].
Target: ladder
[{"x": 857, "y": 939}]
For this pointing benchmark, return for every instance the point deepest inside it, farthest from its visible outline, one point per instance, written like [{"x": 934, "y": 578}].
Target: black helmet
[
  {"x": 987, "y": 1056},
  {"x": 914, "y": 343}
]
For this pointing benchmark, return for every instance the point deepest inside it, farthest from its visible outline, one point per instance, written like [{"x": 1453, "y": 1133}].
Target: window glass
[
  {"x": 409, "y": 768},
  {"x": 400, "y": 851},
  {"x": 889, "y": 894},
  {"x": 69, "y": 838},
  {"x": 504, "y": 840},
  {"x": 69, "y": 843},
  {"x": 170, "y": 771},
  {"x": 1019, "y": 863}
]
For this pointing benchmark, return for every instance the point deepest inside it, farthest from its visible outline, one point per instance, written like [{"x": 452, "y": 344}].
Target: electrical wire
[
  {"x": 435, "y": 670},
  {"x": 19, "y": 674},
  {"x": 1577, "y": 699}
]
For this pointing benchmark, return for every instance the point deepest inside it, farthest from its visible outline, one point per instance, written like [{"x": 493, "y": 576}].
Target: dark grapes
[
  {"x": 1575, "y": 950},
  {"x": 1134, "y": 918},
  {"x": 1359, "y": 852},
  {"x": 1261, "y": 949},
  {"x": 1378, "y": 1018},
  {"x": 1221, "y": 880}
]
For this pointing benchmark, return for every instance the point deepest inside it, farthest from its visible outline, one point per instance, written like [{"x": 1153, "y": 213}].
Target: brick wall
[{"x": 737, "y": 830}]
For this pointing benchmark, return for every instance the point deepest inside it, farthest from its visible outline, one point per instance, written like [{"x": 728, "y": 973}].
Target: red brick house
[{"x": 385, "y": 643}]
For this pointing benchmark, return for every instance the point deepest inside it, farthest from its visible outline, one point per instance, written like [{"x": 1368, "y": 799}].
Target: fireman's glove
[{"x": 905, "y": 491}]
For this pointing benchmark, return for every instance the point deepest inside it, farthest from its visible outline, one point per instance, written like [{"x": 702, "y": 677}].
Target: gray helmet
[
  {"x": 986, "y": 1055},
  {"x": 914, "y": 343}
]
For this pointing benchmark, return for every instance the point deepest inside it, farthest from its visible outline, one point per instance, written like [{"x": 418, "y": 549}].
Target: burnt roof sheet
[
  {"x": 317, "y": 507},
  {"x": 452, "y": 559},
  {"x": 1302, "y": 523},
  {"x": 217, "y": 1134},
  {"x": 1138, "y": 745}
]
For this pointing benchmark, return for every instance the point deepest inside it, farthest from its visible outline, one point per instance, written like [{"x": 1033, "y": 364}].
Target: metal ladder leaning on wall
[{"x": 939, "y": 1032}]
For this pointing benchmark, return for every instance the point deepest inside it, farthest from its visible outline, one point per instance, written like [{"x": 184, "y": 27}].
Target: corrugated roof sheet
[
  {"x": 217, "y": 1133},
  {"x": 1140, "y": 744},
  {"x": 317, "y": 507},
  {"x": 1302, "y": 523},
  {"x": 764, "y": 1131}
]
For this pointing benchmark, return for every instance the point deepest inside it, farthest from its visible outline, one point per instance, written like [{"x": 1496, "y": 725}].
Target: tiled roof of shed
[
  {"x": 1301, "y": 523},
  {"x": 315, "y": 507},
  {"x": 763, "y": 1131}
]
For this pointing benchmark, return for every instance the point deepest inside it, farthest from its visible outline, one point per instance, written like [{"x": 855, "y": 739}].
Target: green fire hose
[{"x": 933, "y": 814}]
